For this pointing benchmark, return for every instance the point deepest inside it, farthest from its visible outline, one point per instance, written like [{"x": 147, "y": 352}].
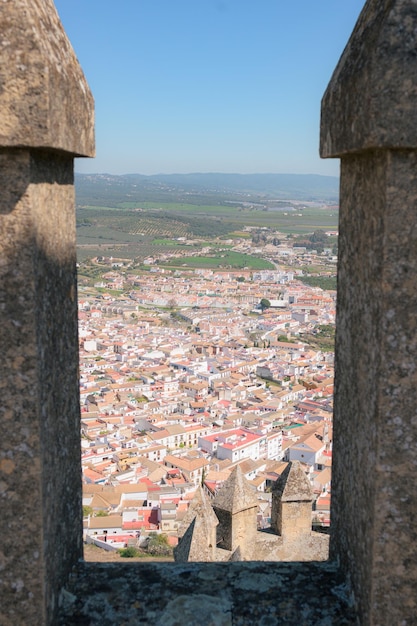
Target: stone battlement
[
  {"x": 226, "y": 529},
  {"x": 368, "y": 120}
]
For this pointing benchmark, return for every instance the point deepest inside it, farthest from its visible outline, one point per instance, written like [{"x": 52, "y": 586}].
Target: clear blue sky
[{"x": 208, "y": 85}]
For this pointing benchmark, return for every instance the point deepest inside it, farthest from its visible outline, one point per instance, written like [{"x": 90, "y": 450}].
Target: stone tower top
[
  {"x": 236, "y": 494},
  {"x": 45, "y": 101},
  {"x": 293, "y": 485},
  {"x": 200, "y": 507},
  {"x": 371, "y": 99}
]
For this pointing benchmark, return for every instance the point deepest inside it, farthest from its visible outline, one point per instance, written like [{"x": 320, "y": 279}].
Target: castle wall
[{"x": 369, "y": 119}]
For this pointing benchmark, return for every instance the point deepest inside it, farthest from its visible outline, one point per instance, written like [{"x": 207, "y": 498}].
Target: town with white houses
[{"x": 185, "y": 374}]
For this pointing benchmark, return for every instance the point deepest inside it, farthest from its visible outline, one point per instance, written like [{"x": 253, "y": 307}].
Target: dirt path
[{"x": 93, "y": 553}]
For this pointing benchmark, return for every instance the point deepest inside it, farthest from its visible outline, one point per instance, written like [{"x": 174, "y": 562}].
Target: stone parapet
[{"x": 222, "y": 594}]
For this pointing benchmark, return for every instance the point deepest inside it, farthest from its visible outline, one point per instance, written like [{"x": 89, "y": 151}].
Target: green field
[
  {"x": 297, "y": 221},
  {"x": 228, "y": 260},
  {"x": 165, "y": 242},
  {"x": 135, "y": 231},
  {"x": 324, "y": 282}
]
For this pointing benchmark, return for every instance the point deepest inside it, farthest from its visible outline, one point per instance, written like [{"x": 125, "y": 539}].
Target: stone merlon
[
  {"x": 45, "y": 101},
  {"x": 236, "y": 494},
  {"x": 371, "y": 99},
  {"x": 293, "y": 484}
]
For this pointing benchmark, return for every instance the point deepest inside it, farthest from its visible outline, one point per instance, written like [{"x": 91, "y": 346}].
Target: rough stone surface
[
  {"x": 369, "y": 116},
  {"x": 374, "y": 506},
  {"x": 45, "y": 101},
  {"x": 235, "y": 594},
  {"x": 40, "y": 523},
  {"x": 371, "y": 99},
  {"x": 46, "y": 117}
]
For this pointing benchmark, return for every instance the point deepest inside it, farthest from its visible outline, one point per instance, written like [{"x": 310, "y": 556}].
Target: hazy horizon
[{"x": 198, "y": 173}]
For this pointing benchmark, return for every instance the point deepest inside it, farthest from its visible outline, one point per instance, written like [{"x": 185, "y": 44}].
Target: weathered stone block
[
  {"x": 46, "y": 117},
  {"x": 40, "y": 523},
  {"x": 371, "y": 99},
  {"x": 45, "y": 101}
]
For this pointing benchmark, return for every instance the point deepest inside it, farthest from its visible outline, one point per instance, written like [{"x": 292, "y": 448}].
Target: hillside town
[{"x": 186, "y": 374}]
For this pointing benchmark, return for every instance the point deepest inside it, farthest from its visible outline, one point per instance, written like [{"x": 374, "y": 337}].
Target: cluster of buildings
[
  {"x": 207, "y": 288},
  {"x": 176, "y": 399}
]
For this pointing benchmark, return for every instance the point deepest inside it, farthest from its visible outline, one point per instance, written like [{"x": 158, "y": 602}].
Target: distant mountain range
[{"x": 108, "y": 189}]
